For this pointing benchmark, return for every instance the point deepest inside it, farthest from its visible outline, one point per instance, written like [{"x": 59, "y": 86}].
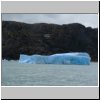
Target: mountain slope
[{"x": 45, "y": 39}]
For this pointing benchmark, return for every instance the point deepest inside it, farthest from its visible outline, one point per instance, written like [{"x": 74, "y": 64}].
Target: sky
[{"x": 88, "y": 20}]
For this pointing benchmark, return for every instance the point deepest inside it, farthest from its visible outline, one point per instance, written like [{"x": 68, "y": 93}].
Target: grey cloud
[
  {"x": 85, "y": 19},
  {"x": 52, "y": 15}
]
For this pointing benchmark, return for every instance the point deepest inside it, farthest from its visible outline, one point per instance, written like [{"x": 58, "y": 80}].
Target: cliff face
[{"x": 45, "y": 39}]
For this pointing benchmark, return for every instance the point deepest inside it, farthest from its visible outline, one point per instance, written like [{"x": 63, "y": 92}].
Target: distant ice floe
[{"x": 80, "y": 58}]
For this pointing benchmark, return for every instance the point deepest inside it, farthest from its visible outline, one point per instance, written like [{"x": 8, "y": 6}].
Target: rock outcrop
[{"x": 45, "y": 39}]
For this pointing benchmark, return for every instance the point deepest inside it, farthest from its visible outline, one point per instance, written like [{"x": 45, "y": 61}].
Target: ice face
[{"x": 63, "y": 58}]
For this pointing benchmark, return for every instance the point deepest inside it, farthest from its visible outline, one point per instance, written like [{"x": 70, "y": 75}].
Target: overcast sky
[{"x": 90, "y": 20}]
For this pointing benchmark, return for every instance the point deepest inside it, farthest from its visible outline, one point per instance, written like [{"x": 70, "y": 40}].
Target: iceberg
[{"x": 78, "y": 58}]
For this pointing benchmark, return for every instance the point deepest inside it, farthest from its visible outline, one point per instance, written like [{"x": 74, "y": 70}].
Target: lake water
[{"x": 15, "y": 74}]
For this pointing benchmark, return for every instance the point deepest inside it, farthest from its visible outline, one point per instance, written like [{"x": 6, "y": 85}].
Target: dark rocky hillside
[{"x": 45, "y": 39}]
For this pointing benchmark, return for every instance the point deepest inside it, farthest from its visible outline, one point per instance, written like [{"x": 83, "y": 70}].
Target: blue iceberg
[{"x": 63, "y": 58}]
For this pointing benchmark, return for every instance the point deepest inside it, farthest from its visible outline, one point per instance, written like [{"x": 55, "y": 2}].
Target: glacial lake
[{"x": 15, "y": 74}]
